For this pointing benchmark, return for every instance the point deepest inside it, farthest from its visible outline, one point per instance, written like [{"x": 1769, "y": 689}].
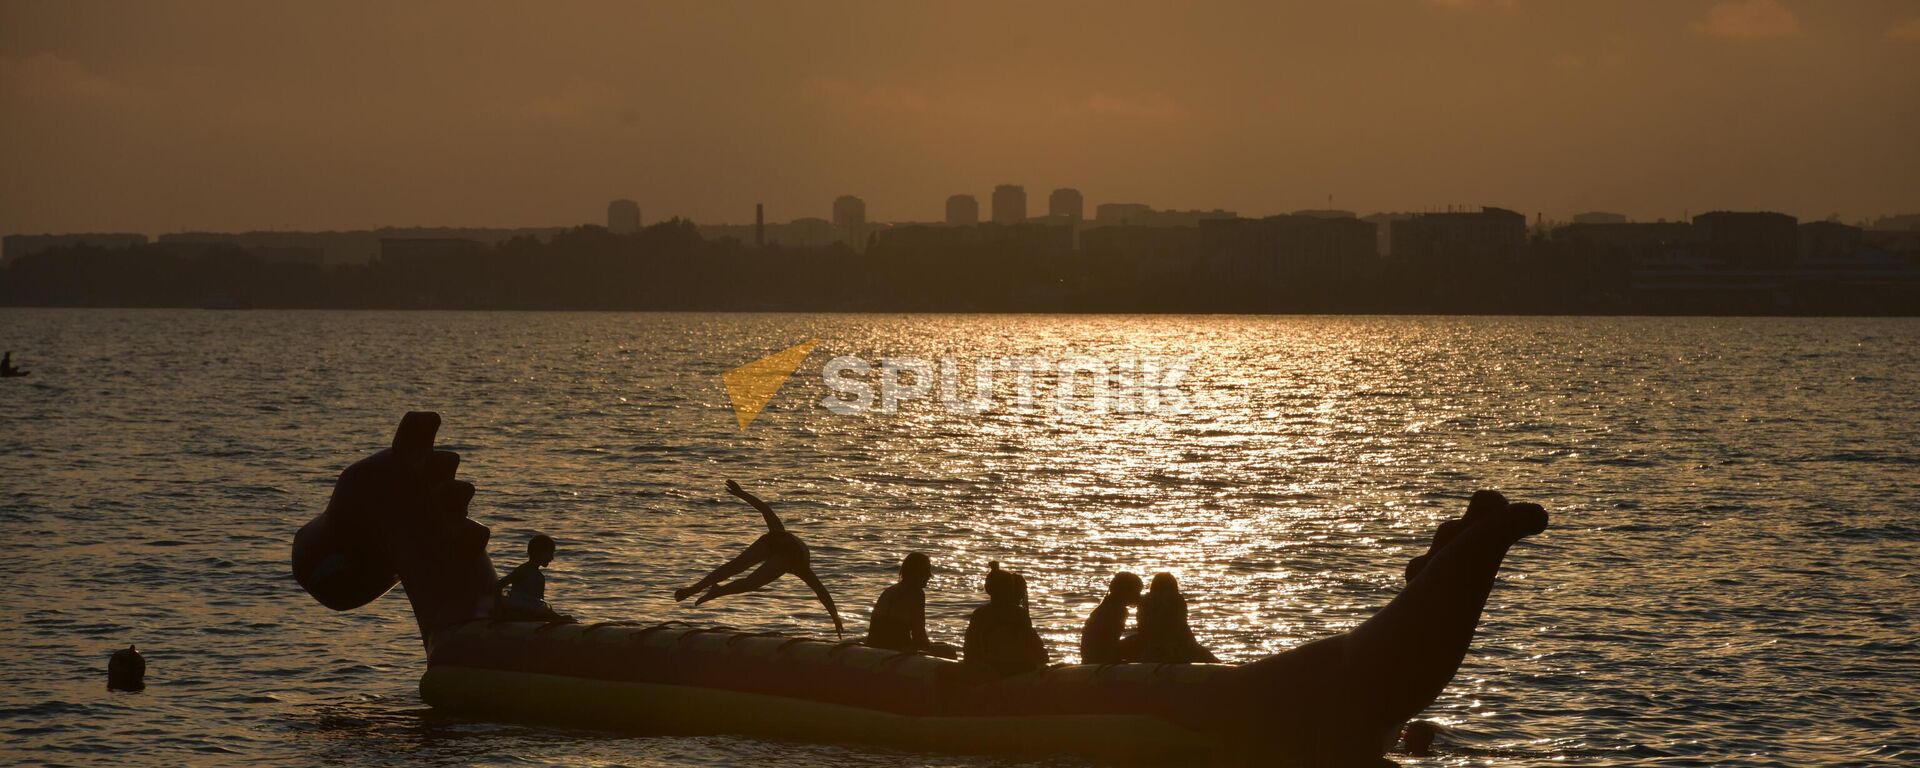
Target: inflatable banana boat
[{"x": 399, "y": 517}]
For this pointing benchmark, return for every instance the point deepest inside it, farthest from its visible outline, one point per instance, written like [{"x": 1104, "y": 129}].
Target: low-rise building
[
  {"x": 1748, "y": 238},
  {"x": 1829, "y": 241},
  {"x": 15, "y": 246},
  {"x": 1489, "y": 238},
  {"x": 1599, "y": 217},
  {"x": 1621, "y": 246},
  {"x": 1289, "y": 246}
]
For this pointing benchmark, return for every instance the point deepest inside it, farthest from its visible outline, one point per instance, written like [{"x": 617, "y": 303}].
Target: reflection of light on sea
[{"x": 1319, "y": 454}]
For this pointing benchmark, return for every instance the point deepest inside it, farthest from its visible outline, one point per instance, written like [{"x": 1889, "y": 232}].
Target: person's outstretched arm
[
  {"x": 819, "y": 589},
  {"x": 773, "y": 520}
]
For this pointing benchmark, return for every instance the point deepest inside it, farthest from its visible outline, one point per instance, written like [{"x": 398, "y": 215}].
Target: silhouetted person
[
  {"x": 525, "y": 586},
  {"x": 1000, "y": 635},
  {"x": 777, "y": 552},
  {"x": 6, "y": 367},
  {"x": 899, "y": 620},
  {"x": 126, "y": 670},
  {"x": 1164, "y": 635},
  {"x": 1484, "y": 504},
  {"x": 1100, "y": 639}
]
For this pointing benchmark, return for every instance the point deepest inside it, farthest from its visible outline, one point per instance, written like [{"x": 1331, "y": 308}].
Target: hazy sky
[{"x": 162, "y": 116}]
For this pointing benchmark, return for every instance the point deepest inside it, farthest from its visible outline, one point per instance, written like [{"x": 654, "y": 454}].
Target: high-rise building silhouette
[
  {"x": 963, "y": 211},
  {"x": 759, "y": 225},
  {"x": 1009, "y": 204},
  {"x": 623, "y": 217},
  {"x": 850, "y": 220},
  {"x": 1066, "y": 202}
]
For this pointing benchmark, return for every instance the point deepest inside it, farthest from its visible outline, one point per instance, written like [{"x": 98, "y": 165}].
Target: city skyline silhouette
[{"x": 230, "y": 117}]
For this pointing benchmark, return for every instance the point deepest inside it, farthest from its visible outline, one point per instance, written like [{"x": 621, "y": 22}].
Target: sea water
[{"x": 1730, "y": 577}]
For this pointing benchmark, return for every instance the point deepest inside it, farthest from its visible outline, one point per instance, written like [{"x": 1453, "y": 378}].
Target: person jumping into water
[
  {"x": 899, "y": 620},
  {"x": 777, "y": 552},
  {"x": 525, "y": 587}
]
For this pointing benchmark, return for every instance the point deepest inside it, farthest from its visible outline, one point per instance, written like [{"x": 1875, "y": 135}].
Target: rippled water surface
[{"x": 1730, "y": 576}]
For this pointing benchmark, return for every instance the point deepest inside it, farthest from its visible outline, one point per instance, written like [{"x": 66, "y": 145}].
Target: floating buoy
[{"x": 126, "y": 670}]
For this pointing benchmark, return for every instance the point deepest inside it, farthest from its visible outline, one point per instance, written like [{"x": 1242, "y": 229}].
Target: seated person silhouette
[
  {"x": 1100, "y": 639},
  {"x": 6, "y": 367},
  {"x": 777, "y": 552},
  {"x": 1000, "y": 636},
  {"x": 899, "y": 620},
  {"x": 1164, "y": 636},
  {"x": 525, "y": 587}
]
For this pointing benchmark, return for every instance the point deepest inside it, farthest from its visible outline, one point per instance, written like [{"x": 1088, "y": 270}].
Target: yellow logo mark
[{"x": 753, "y": 385}]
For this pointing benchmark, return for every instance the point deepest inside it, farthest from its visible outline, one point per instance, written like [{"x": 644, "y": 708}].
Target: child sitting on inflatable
[
  {"x": 525, "y": 587},
  {"x": 1164, "y": 635},
  {"x": 1000, "y": 635},
  {"x": 1100, "y": 638},
  {"x": 899, "y": 620}
]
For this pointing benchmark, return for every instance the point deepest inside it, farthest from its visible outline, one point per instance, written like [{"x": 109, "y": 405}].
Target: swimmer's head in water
[
  {"x": 1126, "y": 584},
  {"x": 540, "y": 549},
  {"x": 915, "y": 568}
]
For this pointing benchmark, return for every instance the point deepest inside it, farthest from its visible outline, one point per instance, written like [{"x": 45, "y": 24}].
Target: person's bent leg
[
  {"x": 512, "y": 609},
  {"x": 765, "y": 575},
  {"x": 755, "y": 553}
]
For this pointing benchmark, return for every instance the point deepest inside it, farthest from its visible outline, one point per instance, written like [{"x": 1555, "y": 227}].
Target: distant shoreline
[
  {"x": 1280, "y": 265},
  {"x": 1050, "y": 313}
]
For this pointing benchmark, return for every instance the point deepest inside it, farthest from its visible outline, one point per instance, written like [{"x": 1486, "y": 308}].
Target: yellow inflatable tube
[{"x": 676, "y": 680}]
